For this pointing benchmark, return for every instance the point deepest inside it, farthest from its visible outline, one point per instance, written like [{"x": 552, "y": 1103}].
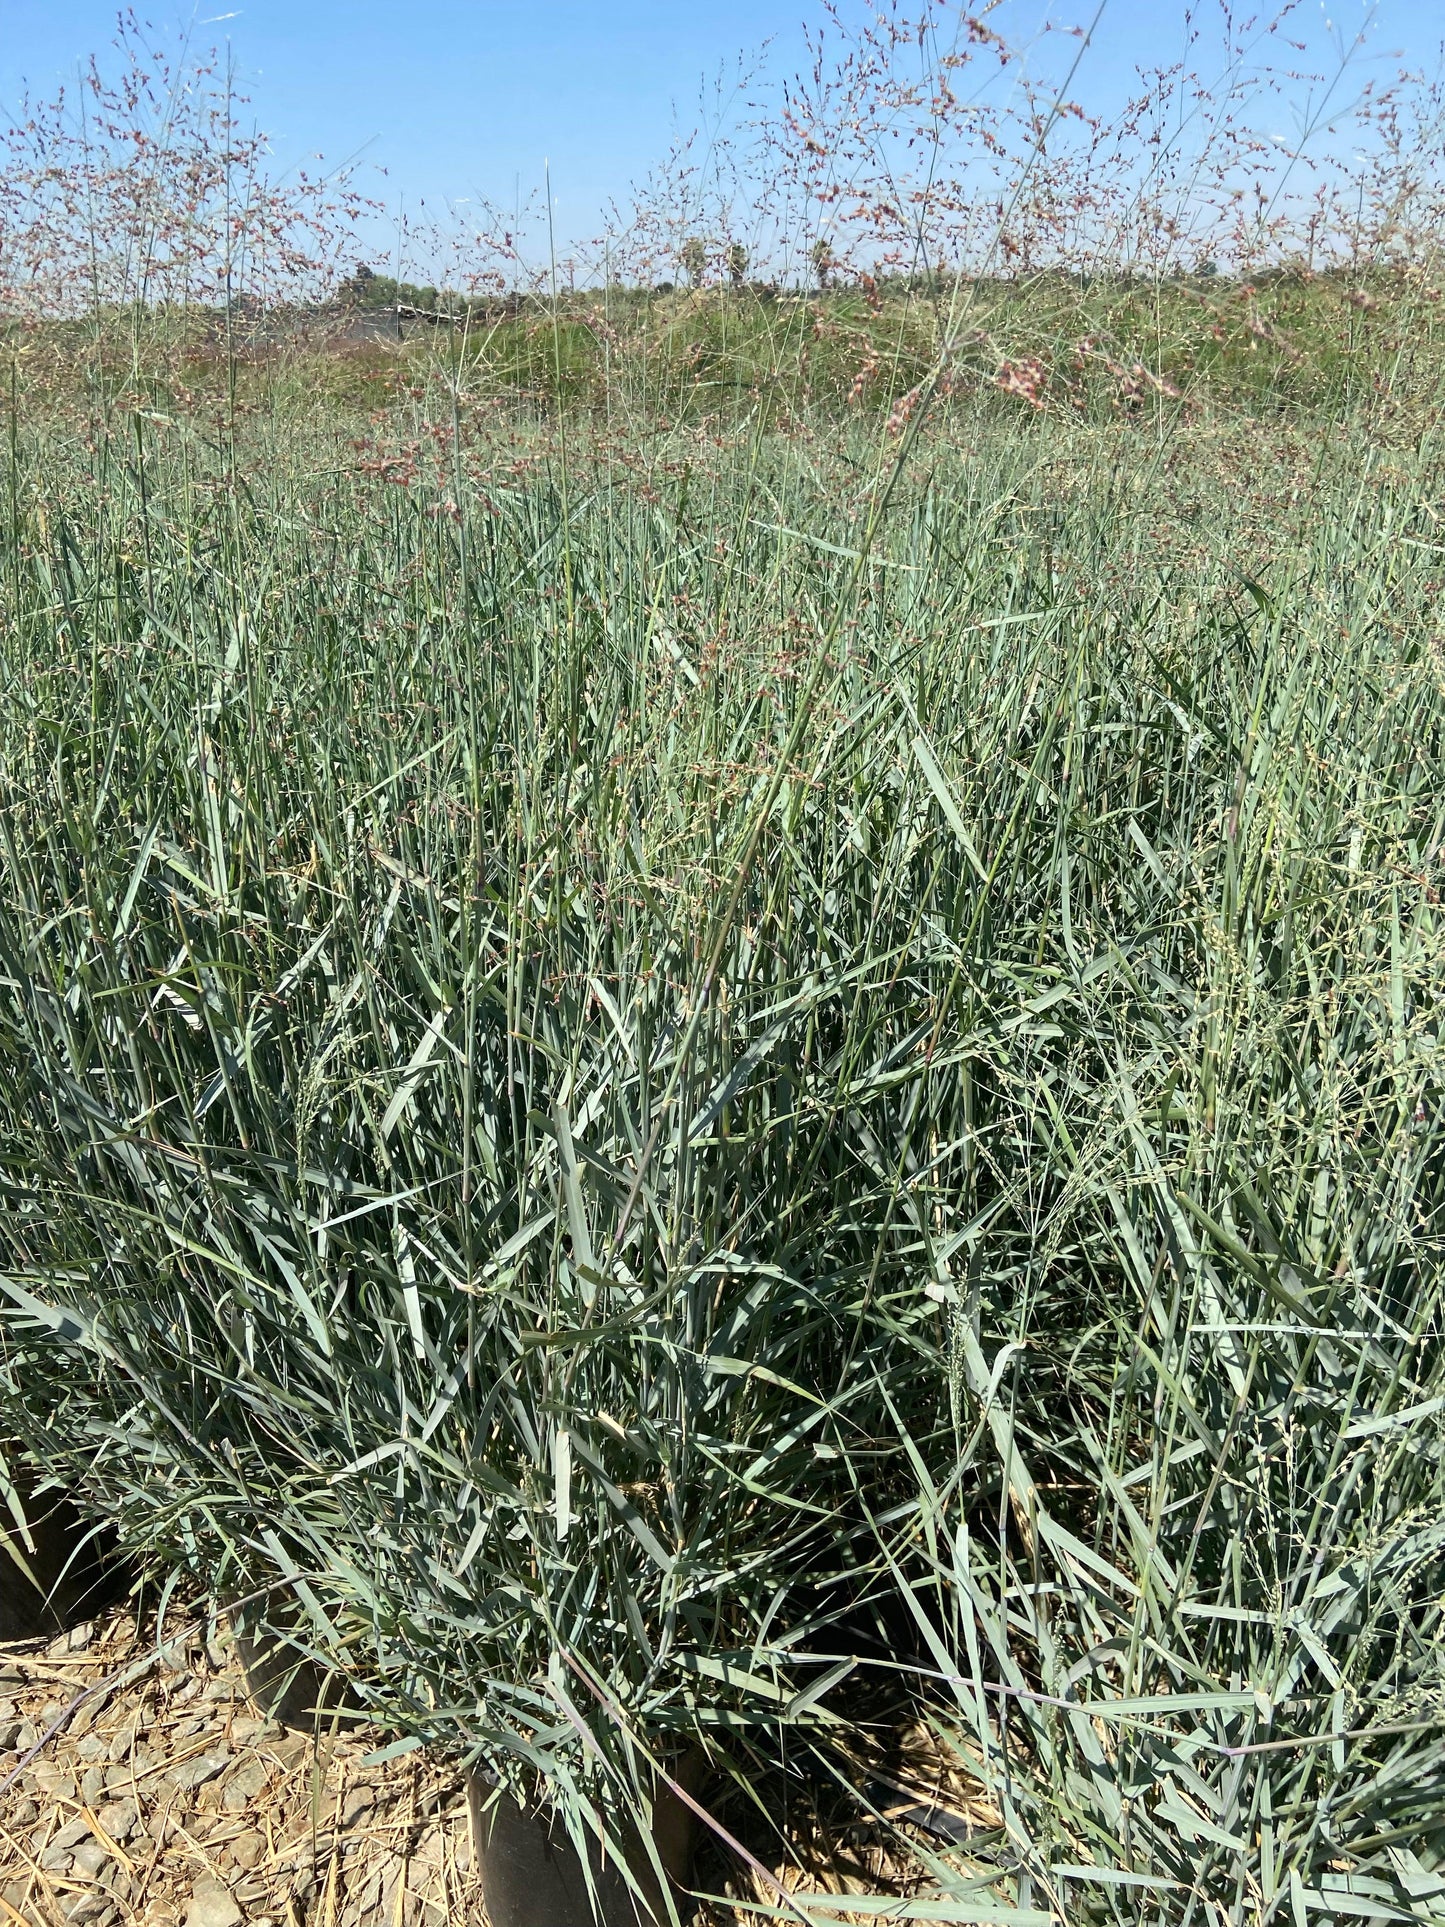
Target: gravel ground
[{"x": 167, "y": 1801}]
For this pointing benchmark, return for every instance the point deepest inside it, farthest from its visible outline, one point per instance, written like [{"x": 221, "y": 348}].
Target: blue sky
[{"x": 469, "y": 100}]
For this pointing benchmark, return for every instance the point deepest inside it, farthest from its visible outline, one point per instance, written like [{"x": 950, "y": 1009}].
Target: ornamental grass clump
[
  {"x": 638, "y": 1178},
  {"x": 450, "y": 1164}
]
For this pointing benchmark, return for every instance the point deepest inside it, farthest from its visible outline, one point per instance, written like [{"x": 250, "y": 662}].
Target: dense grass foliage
[
  {"x": 666, "y": 1081},
  {"x": 1102, "y": 346}
]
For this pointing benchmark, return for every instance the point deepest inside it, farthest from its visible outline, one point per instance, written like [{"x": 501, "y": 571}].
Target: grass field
[{"x": 712, "y": 1044}]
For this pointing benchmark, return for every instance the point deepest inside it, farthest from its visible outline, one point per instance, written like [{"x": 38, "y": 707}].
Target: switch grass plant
[{"x": 645, "y": 1114}]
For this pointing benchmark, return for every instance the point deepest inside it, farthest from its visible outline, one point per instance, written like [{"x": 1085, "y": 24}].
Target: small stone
[
  {"x": 212, "y": 1906},
  {"x": 53, "y": 1780},
  {"x": 23, "y": 1814},
  {"x": 248, "y": 1851},
  {"x": 92, "y": 1785},
  {"x": 92, "y": 1747},
  {"x": 25, "y": 1736},
  {"x": 245, "y": 1785},
  {"x": 246, "y": 1731},
  {"x": 90, "y": 1859},
  {"x": 10, "y": 1731},
  {"x": 83, "y": 1906},
  {"x": 156, "y": 1826},
  {"x": 359, "y": 1801},
  {"x": 119, "y": 1819},
  {"x": 65, "y": 1839},
  {"x": 193, "y": 1773}
]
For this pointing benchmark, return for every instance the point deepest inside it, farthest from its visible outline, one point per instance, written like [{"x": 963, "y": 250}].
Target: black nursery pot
[
  {"x": 72, "y": 1571},
  {"x": 531, "y": 1875},
  {"x": 282, "y": 1680}
]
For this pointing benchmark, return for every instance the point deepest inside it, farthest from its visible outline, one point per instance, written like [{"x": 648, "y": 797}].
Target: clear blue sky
[{"x": 456, "y": 100}]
